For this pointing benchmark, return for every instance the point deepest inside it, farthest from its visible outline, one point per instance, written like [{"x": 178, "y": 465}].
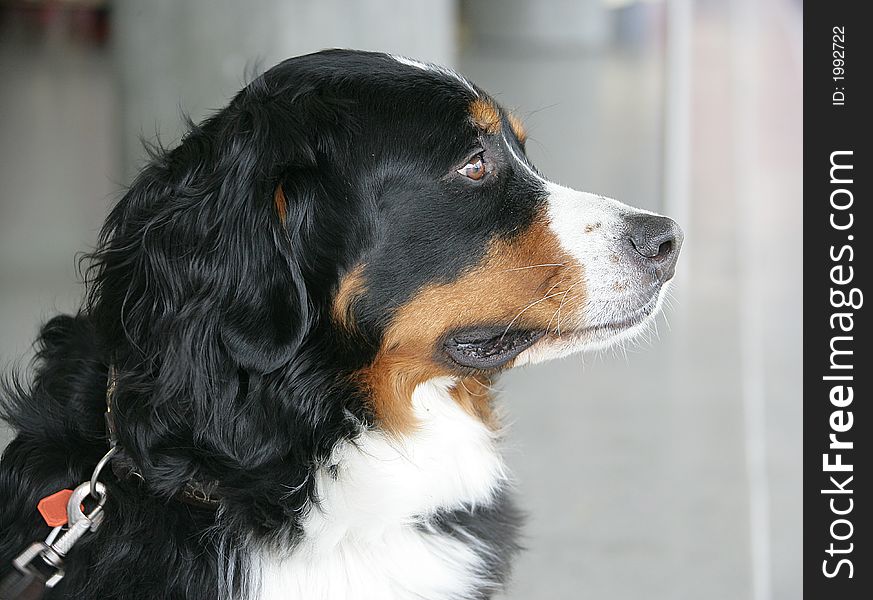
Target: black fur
[
  {"x": 216, "y": 315},
  {"x": 495, "y": 526}
]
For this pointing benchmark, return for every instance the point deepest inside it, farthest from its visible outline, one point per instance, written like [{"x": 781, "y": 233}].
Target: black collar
[{"x": 196, "y": 493}]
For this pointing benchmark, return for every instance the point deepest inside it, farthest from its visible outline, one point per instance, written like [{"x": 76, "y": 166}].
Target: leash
[
  {"x": 203, "y": 495},
  {"x": 41, "y": 565}
]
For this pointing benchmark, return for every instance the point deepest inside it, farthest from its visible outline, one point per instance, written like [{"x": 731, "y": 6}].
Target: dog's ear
[
  {"x": 204, "y": 236},
  {"x": 200, "y": 294}
]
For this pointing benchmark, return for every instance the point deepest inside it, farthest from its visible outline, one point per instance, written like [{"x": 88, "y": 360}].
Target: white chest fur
[{"x": 365, "y": 539}]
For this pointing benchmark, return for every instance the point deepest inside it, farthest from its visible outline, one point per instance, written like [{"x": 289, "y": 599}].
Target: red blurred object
[
  {"x": 86, "y": 21},
  {"x": 54, "y": 508}
]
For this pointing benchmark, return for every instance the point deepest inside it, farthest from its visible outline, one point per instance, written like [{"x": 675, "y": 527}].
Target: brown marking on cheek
[
  {"x": 527, "y": 281},
  {"x": 473, "y": 394},
  {"x": 281, "y": 204},
  {"x": 485, "y": 115},
  {"x": 517, "y": 127},
  {"x": 592, "y": 227},
  {"x": 390, "y": 381},
  {"x": 351, "y": 287}
]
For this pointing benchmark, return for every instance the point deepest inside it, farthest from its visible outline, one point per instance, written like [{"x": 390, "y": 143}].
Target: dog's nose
[{"x": 655, "y": 241}]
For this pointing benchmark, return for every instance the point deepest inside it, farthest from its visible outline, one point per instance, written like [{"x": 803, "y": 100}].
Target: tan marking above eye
[
  {"x": 352, "y": 286},
  {"x": 527, "y": 280},
  {"x": 517, "y": 127},
  {"x": 485, "y": 115}
]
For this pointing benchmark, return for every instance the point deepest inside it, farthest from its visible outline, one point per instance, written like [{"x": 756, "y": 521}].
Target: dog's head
[{"x": 350, "y": 226}]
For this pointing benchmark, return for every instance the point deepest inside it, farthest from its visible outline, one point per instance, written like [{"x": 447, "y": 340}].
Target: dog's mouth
[
  {"x": 618, "y": 324},
  {"x": 488, "y": 347},
  {"x": 493, "y": 347}
]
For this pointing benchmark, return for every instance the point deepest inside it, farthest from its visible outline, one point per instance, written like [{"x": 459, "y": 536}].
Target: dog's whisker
[
  {"x": 667, "y": 323},
  {"x": 549, "y": 324},
  {"x": 464, "y": 385},
  {"x": 526, "y": 308},
  {"x": 549, "y": 291},
  {"x": 570, "y": 299},
  {"x": 560, "y": 306},
  {"x": 484, "y": 385},
  {"x": 533, "y": 267}
]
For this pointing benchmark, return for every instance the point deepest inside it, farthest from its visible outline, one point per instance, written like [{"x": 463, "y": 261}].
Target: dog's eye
[{"x": 475, "y": 169}]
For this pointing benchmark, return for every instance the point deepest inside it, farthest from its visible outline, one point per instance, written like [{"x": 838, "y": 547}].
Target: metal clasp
[
  {"x": 96, "y": 473},
  {"x": 59, "y": 542}
]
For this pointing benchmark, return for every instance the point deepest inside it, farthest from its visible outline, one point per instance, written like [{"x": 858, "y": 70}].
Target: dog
[{"x": 293, "y": 322}]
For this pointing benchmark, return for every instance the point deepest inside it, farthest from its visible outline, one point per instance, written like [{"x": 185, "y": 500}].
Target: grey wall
[{"x": 173, "y": 56}]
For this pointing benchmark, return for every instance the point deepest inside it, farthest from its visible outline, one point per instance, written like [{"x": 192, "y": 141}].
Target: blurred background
[{"x": 665, "y": 470}]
